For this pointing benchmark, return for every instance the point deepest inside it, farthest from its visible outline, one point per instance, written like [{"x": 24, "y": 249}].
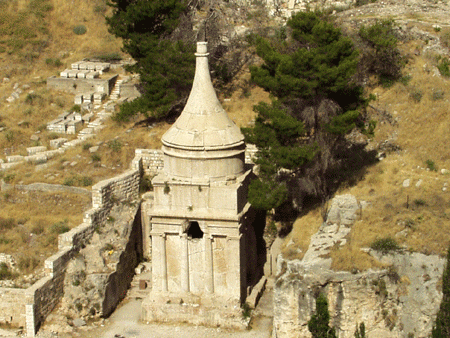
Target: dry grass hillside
[
  {"x": 37, "y": 40},
  {"x": 407, "y": 190}
]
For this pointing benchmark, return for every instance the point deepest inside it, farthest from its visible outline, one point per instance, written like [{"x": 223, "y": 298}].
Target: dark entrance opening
[{"x": 194, "y": 231}]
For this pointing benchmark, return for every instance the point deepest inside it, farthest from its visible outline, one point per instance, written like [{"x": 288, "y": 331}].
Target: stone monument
[{"x": 206, "y": 241}]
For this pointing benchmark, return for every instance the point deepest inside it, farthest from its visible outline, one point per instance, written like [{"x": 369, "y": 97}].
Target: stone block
[
  {"x": 87, "y": 97},
  {"x": 75, "y": 65},
  {"x": 92, "y": 75},
  {"x": 74, "y": 126},
  {"x": 72, "y": 74},
  {"x": 78, "y": 99},
  {"x": 90, "y": 65},
  {"x": 64, "y": 73},
  {"x": 81, "y": 74},
  {"x": 14, "y": 158},
  {"x": 83, "y": 65},
  {"x": 35, "y": 150}
]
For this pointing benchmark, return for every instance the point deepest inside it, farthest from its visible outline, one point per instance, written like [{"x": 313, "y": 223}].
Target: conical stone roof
[{"x": 203, "y": 124}]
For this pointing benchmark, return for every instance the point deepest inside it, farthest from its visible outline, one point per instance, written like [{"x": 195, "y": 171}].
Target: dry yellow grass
[{"x": 31, "y": 221}]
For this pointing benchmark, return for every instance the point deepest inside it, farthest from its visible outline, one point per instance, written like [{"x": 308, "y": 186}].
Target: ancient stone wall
[
  {"x": 29, "y": 307},
  {"x": 122, "y": 187}
]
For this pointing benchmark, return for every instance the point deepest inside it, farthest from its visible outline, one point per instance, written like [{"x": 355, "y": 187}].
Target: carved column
[
  {"x": 163, "y": 262},
  {"x": 209, "y": 264},
  {"x": 185, "y": 263}
]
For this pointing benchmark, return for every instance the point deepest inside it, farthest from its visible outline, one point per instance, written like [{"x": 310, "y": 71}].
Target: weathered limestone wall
[
  {"x": 395, "y": 302},
  {"x": 82, "y": 85},
  {"x": 29, "y": 307},
  {"x": 129, "y": 90}
]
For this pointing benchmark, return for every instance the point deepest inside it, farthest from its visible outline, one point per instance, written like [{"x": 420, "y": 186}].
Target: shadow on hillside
[{"x": 312, "y": 189}]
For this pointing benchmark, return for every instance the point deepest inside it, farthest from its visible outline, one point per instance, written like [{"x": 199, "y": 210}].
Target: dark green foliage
[
  {"x": 318, "y": 325},
  {"x": 146, "y": 184},
  {"x": 431, "y": 165},
  {"x": 385, "y": 245},
  {"x": 381, "y": 56},
  {"x": 360, "y": 331},
  {"x": 441, "y": 327},
  {"x": 5, "y": 273},
  {"x": 164, "y": 61},
  {"x": 317, "y": 102}
]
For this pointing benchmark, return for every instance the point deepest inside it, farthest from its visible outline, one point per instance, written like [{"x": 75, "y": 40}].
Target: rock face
[
  {"x": 395, "y": 302},
  {"x": 98, "y": 277}
]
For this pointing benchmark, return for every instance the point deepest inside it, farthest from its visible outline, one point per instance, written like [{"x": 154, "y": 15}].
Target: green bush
[
  {"x": 443, "y": 67},
  {"x": 437, "y": 94},
  {"x": 385, "y": 245},
  {"x": 416, "y": 95},
  {"x": 5, "y": 273},
  {"x": 115, "y": 145},
  {"x": 145, "y": 184},
  {"x": 76, "y": 108},
  {"x": 431, "y": 165},
  {"x": 318, "y": 325},
  {"x": 60, "y": 227},
  {"x": 80, "y": 30}
]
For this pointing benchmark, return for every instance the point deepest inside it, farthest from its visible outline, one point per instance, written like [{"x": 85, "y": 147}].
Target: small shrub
[
  {"x": 96, "y": 158},
  {"x": 443, "y": 67},
  {"x": 166, "y": 188},
  {"x": 419, "y": 202},
  {"x": 60, "y": 227},
  {"x": 76, "y": 108},
  {"x": 86, "y": 146},
  {"x": 69, "y": 181},
  {"x": 431, "y": 165},
  {"x": 404, "y": 80},
  {"x": 32, "y": 98},
  {"x": 38, "y": 228},
  {"x": 385, "y": 245},
  {"x": 5, "y": 273},
  {"x": 7, "y": 223},
  {"x": 86, "y": 181},
  {"x": 80, "y": 29},
  {"x": 416, "y": 95},
  {"x": 9, "y": 136},
  {"x": 360, "y": 331},
  {"x": 108, "y": 247},
  {"x": 115, "y": 145},
  {"x": 437, "y": 95},
  {"x": 246, "y": 310},
  {"x": 145, "y": 184},
  {"x": 8, "y": 178}
]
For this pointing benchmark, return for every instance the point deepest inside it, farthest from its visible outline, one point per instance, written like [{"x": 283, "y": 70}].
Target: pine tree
[
  {"x": 441, "y": 328},
  {"x": 318, "y": 325},
  {"x": 317, "y": 103},
  {"x": 153, "y": 36}
]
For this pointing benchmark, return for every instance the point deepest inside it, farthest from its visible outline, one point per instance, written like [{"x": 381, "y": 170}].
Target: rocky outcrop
[{"x": 399, "y": 301}]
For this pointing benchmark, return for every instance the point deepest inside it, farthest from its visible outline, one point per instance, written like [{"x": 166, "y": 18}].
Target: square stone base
[{"x": 187, "y": 308}]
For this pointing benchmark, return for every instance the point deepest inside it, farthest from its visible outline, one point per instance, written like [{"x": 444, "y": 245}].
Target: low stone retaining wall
[{"x": 29, "y": 307}]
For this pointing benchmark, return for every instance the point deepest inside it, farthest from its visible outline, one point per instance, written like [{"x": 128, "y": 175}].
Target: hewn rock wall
[{"x": 392, "y": 303}]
